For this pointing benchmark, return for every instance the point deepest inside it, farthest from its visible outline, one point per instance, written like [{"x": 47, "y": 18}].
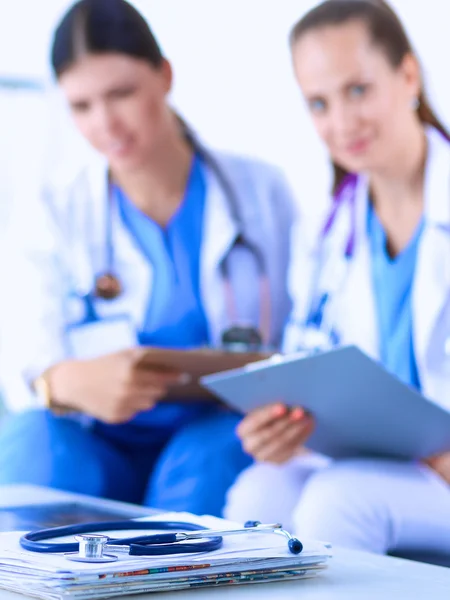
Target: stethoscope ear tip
[{"x": 295, "y": 546}]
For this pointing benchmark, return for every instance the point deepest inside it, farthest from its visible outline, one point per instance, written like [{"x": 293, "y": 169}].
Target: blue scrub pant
[{"x": 191, "y": 471}]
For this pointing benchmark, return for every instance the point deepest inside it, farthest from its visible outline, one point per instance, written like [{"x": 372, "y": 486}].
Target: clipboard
[
  {"x": 360, "y": 409},
  {"x": 196, "y": 362}
]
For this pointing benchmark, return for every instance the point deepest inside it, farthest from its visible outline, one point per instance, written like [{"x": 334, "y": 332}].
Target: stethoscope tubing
[
  {"x": 150, "y": 545},
  {"x": 253, "y": 247}
]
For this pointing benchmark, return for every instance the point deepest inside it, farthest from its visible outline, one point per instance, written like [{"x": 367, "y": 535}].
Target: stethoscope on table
[
  {"x": 108, "y": 286},
  {"x": 90, "y": 546}
]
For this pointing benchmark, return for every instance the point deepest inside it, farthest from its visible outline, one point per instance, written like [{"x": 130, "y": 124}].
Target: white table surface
[{"x": 351, "y": 575}]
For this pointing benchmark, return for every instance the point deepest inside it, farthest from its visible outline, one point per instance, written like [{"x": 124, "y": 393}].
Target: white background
[{"x": 233, "y": 82}]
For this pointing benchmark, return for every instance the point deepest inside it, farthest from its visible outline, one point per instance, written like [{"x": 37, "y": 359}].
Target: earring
[{"x": 415, "y": 103}]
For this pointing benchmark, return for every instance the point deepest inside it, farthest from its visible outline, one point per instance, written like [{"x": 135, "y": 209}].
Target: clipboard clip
[{"x": 279, "y": 359}]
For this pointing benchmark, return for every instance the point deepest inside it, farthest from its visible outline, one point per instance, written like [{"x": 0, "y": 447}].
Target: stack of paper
[{"x": 249, "y": 558}]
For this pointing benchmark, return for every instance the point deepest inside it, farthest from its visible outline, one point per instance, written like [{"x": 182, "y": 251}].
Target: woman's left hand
[
  {"x": 274, "y": 433},
  {"x": 441, "y": 464}
]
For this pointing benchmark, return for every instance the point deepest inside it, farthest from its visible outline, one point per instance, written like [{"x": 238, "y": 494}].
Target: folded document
[{"x": 247, "y": 558}]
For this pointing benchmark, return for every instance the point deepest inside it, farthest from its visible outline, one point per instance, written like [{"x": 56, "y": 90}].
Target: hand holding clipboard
[
  {"x": 194, "y": 364},
  {"x": 275, "y": 433},
  {"x": 358, "y": 407},
  {"x": 115, "y": 387}
]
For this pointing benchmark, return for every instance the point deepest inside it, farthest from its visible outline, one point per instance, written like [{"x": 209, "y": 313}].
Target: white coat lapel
[
  {"x": 219, "y": 234},
  {"x": 431, "y": 289},
  {"x": 354, "y": 312},
  {"x": 131, "y": 266}
]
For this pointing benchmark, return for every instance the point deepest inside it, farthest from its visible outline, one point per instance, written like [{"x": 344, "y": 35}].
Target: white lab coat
[
  {"x": 55, "y": 247},
  {"x": 373, "y": 505},
  {"x": 352, "y": 308}
]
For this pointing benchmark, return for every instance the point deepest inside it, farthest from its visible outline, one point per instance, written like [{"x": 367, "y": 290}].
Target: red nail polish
[
  {"x": 297, "y": 414},
  {"x": 279, "y": 410}
]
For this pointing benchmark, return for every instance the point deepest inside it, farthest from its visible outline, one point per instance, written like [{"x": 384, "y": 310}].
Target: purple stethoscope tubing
[{"x": 346, "y": 191}]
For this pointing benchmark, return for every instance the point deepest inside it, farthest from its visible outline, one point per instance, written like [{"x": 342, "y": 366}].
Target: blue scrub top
[
  {"x": 174, "y": 316},
  {"x": 393, "y": 281}
]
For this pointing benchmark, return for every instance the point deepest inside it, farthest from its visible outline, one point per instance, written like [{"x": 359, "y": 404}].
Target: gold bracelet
[{"x": 41, "y": 386}]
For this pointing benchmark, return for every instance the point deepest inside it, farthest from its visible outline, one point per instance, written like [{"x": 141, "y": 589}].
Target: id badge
[{"x": 104, "y": 336}]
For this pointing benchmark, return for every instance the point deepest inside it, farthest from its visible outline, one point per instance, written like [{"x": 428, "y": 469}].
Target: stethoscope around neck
[
  {"x": 316, "y": 333},
  {"x": 107, "y": 285}
]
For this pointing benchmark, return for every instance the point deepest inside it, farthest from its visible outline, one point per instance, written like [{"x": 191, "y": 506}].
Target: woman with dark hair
[
  {"x": 383, "y": 282},
  {"x": 139, "y": 249}
]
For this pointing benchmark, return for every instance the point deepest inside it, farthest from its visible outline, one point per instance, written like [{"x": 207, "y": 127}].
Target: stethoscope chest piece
[
  {"x": 91, "y": 550},
  {"x": 107, "y": 286}
]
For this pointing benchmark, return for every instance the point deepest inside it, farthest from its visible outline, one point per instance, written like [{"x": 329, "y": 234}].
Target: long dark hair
[
  {"x": 101, "y": 26},
  {"x": 386, "y": 31}
]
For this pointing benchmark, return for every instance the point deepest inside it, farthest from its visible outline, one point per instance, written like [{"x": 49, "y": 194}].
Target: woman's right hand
[
  {"x": 112, "y": 388},
  {"x": 274, "y": 433}
]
